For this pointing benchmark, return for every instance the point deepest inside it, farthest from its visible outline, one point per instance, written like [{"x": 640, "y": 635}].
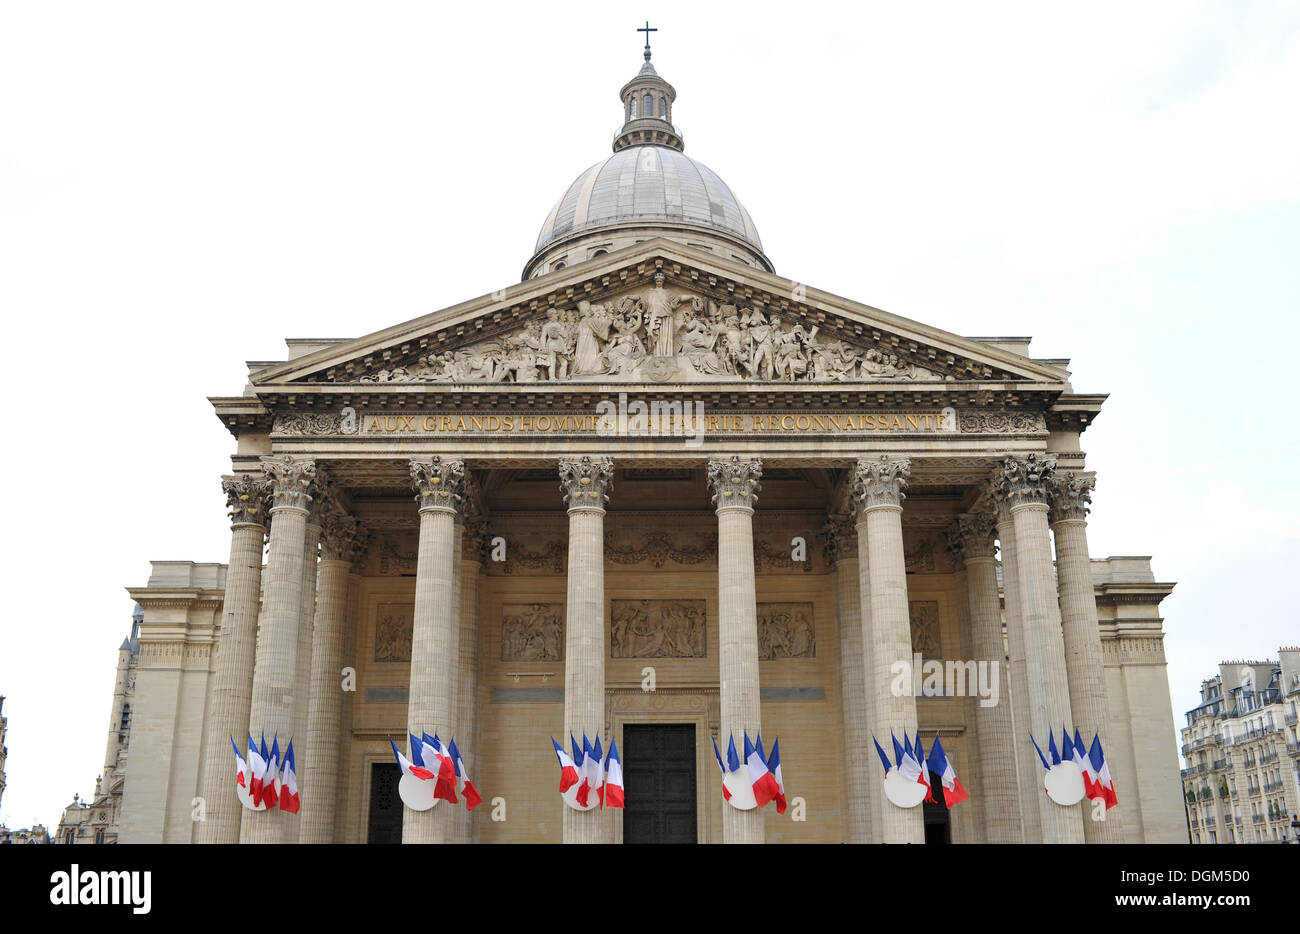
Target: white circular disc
[
  {"x": 1064, "y": 784},
  {"x": 246, "y": 799},
  {"x": 416, "y": 794},
  {"x": 570, "y": 797},
  {"x": 742, "y": 790},
  {"x": 902, "y": 793}
]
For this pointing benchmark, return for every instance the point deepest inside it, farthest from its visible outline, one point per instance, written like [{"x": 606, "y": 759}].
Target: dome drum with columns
[{"x": 652, "y": 453}]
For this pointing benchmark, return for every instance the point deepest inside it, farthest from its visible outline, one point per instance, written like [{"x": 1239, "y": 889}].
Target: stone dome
[{"x": 648, "y": 188}]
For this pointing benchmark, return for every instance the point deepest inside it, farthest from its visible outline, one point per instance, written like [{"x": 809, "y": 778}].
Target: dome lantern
[{"x": 648, "y": 108}]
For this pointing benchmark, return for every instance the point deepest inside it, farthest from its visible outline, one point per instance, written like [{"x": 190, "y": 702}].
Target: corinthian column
[
  {"x": 232, "y": 682},
  {"x": 1029, "y": 779},
  {"x": 320, "y": 771},
  {"x": 1070, "y": 495},
  {"x": 291, "y": 479},
  {"x": 734, "y": 484},
  {"x": 436, "y": 625},
  {"x": 970, "y": 541},
  {"x": 887, "y": 633},
  {"x": 586, "y": 483},
  {"x": 1025, "y": 483},
  {"x": 467, "y": 682},
  {"x": 307, "y": 595},
  {"x": 860, "y": 789}
]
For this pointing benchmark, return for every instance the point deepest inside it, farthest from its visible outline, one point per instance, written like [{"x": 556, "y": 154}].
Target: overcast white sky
[{"x": 184, "y": 185}]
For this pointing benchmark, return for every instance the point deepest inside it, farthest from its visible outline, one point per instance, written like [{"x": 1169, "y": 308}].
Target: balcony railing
[
  {"x": 1291, "y": 719},
  {"x": 1219, "y": 765},
  {"x": 1266, "y": 758},
  {"x": 1209, "y": 821},
  {"x": 1253, "y": 790},
  {"x": 1272, "y": 787},
  {"x": 1293, "y": 749}
]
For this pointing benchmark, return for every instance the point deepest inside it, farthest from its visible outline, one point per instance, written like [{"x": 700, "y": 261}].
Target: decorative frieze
[
  {"x": 313, "y": 424},
  {"x": 786, "y": 630},
  {"x": 1071, "y": 495},
  {"x": 291, "y": 480},
  {"x": 247, "y": 499},
  {"x": 658, "y": 548},
  {"x": 734, "y": 482},
  {"x": 881, "y": 482},
  {"x": 1026, "y": 480},
  {"x": 586, "y": 482},
  {"x": 657, "y": 629},
  {"x": 438, "y": 483},
  {"x": 532, "y": 633},
  {"x": 1002, "y": 423}
]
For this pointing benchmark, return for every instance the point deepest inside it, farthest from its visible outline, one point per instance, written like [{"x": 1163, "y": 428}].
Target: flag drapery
[{"x": 953, "y": 792}]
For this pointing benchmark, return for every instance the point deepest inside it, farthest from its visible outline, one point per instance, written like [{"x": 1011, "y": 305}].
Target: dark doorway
[
  {"x": 385, "y": 824},
  {"x": 659, "y": 778},
  {"x": 938, "y": 826}
]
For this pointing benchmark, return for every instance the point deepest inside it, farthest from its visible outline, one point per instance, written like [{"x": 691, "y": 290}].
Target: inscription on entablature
[
  {"x": 657, "y": 629},
  {"x": 785, "y": 630},
  {"x": 393, "y": 630},
  {"x": 532, "y": 633}
]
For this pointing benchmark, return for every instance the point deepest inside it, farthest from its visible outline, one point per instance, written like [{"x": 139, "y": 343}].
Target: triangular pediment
[{"x": 658, "y": 312}]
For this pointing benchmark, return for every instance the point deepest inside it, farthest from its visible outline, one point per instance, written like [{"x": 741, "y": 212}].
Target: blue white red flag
[
  {"x": 408, "y": 767},
  {"x": 774, "y": 764},
  {"x": 759, "y": 775},
  {"x": 289, "y": 783},
  {"x": 241, "y": 767},
  {"x": 1105, "y": 786},
  {"x": 884, "y": 759},
  {"x": 463, "y": 785},
  {"x": 953, "y": 792},
  {"x": 270, "y": 782},
  {"x": 918, "y": 751},
  {"x": 568, "y": 770},
  {"x": 613, "y": 778},
  {"x": 256, "y": 770}
]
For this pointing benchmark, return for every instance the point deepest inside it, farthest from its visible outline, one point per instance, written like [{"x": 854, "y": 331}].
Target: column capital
[
  {"x": 970, "y": 536},
  {"x": 586, "y": 481},
  {"x": 338, "y": 536},
  {"x": 734, "y": 481},
  {"x": 1070, "y": 496},
  {"x": 840, "y": 533},
  {"x": 1026, "y": 481},
  {"x": 438, "y": 483},
  {"x": 291, "y": 479},
  {"x": 881, "y": 482},
  {"x": 247, "y": 499}
]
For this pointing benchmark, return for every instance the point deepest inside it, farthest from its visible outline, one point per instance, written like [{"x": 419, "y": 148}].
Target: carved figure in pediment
[
  {"x": 834, "y": 360},
  {"x": 557, "y": 342},
  {"x": 593, "y": 326},
  {"x": 521, "y": 356},
  {"x": 761, "y": 336},
  {"x": 625, "y": 351},
  {"x": 701, "y": 336},
  {"x": 792, "y": 357},
  {"x": 661, "y": 318}
]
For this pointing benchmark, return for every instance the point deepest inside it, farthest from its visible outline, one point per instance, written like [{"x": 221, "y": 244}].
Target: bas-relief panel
[
  {"x": 785, "y": 630},
  {"x": 658, "y": 629},
  {"x": 393, "y": 629},
  {"x": 924, "y": 618},
  {"x": 532, "y": 633}
]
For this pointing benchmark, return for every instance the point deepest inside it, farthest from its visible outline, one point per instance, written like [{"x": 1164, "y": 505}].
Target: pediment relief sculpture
[{"x": 658, "y": 335}]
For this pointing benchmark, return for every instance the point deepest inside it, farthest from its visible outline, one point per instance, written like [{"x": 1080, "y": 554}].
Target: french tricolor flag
[
  {"x": 759, "y": 775},
  {"x": 568, "y": 770},
  {"x": 726, "y": 795},
  {"x": 918, "y": 751},
  {"x": 270, "y": 793},
  {"x": 613, "y": 778},
  {"x": 241, "y": 767},
  {"x": 472, "y": 798},
  {"x": 774, "y": 763},
  {"x": 256, "y": 770},
  {"x": 408, "y": 767},
  {"x": 884, "y": 759},
  {"x": 1079, "y": 756},
  {"x": 438, "y": 762},
  {"x": 907, "y": 764},
  {"x": 584, "y": 767},
  {"x": 596, "y": 769},
  {"x": 289, "y": 783},
  {"x": 953, "y": 792},
  {"x": 1105, "y": 786}
]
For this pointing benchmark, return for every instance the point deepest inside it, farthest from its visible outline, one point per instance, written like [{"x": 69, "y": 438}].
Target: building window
[
  {"x": 663, "y": 108},
  {"x": 70, "y": 837},
  {"x": 648, "y": 103},
  {"x": 99, "y": 836},
  {"x": 631, "y": 107},
  {"x": 558, "y": 266}
]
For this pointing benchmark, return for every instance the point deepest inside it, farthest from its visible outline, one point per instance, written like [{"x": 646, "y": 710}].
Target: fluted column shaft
[
  {"x": 431, "y": 704},
  {"x": 319, "y": 772},
  {"x": 1024, "y": 481},
  {"x": 467, "y": 699},
  {"x": 880, "y": 486},
  {"x": 586, "y": 484},
  {"x": 277, "y": 647},
  {"x": 1029, "y": 775},
  {"x": 734, "y": 485},
  {"x": 861, "y": 783},
  {"x": 231, "y": 697},
  {"x": 973, "y": 538},
  {"x": 1084, "y": 666},
  {"x": 302, "y": 663}
]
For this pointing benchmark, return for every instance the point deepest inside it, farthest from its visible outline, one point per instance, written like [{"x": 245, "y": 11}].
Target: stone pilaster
[
  {"x": 318, "y": 773},
  {"x": 970, "y": 541},
  {"x": 880, "y": 485},
  {"x": 438, "y": 483},
  {"x": 231, "y": 697},
  {"x": 292, "y": 481},
  {"x": 586, "y": 483},
  {"x": 861, "y": 784},
  {"x": 1070, "y": 495},
  {"x": 734, "y": 485},
  {"x": 468, "y": 679},
  {"x": 1025, "y": 483}
]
